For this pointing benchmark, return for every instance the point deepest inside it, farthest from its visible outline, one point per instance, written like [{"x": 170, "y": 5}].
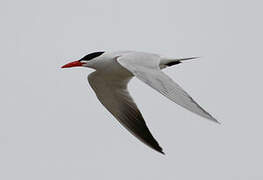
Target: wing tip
[
  {"x": 160, "y": 150},
  {"x": 157, "y": 147},
  {"x": 214, "y": 120},
  {"x": 190, "y": 58}
]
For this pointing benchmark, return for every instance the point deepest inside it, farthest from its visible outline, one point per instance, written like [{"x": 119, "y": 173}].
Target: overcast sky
[{"x": 53, "y": 127}]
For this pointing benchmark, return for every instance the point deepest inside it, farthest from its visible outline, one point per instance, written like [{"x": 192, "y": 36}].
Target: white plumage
[{"x": 113, "y": 72}]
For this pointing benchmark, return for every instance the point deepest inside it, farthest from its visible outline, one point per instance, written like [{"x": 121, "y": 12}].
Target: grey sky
[{"x": 53, "y": 127}]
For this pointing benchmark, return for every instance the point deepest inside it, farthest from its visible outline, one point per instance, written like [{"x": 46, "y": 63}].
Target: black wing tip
[
  {"x": 162, "y": 152},
  {"x": 180, "y": 60},
  {"x": 159, "y": 149},
  {"x": 173, "y": 63}
]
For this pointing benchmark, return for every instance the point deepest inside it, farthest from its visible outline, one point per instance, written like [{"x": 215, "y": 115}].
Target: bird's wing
[
  {"x": 117, "y": 100},
  {"x": 146, "y": 68}
]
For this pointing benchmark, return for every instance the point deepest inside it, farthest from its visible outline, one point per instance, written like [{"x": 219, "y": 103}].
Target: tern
[{"x": 114, "y": 70}]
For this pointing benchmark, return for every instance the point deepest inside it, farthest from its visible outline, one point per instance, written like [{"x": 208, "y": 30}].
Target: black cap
[{"x": 92, "y": 55}]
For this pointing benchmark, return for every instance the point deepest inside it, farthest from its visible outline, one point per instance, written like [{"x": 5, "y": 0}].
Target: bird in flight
[{"x": 113, "y": 72}]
